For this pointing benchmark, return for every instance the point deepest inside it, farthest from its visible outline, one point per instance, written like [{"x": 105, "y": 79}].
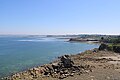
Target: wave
[
  {"x": 34, "y": 40},
  {"x": 29, "y": 40},
  {"x": 40, "y": 39}
]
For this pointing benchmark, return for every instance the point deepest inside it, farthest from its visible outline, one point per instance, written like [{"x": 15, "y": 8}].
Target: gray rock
[
  {"x": 67, "y": 62},
  {"x": 55, "y": 65}
]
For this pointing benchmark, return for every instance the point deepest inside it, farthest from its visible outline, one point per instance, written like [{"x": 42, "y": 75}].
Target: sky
[{"x": 58, "y": 17}]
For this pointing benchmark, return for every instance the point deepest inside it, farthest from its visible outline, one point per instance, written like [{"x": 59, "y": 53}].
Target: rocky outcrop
[
  {"x": 65, "y": 67},
  {"x": 66, "y": 61},
  {"x": 103, "y": 47},
  {"x": 116, "y": 49},
  {"x": 62, "y": 68}
]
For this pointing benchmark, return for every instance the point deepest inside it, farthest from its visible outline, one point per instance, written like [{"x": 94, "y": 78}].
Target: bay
[{"x": 18, "y": 53}]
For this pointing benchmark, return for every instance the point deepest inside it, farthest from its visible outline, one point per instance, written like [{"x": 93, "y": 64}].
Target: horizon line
[{"x": 64, "y": 34}]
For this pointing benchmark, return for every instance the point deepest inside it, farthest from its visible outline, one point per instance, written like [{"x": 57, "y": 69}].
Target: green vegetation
[
  {"x": 114, "y": 47},
  {"x": 110, "y": 43},
  {"x": 113, "y": 40},
  {"x": 110, "y": 47}
]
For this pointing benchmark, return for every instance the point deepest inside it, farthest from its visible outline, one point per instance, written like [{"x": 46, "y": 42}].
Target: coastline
[
  {"x": 19, "y": 62},
  {"x": 85, "y": 63},
  {"x": 87, "y": 40}
]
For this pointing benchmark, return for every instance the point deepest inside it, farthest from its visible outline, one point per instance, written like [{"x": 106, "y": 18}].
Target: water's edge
[{"x": 29, "y": 60}]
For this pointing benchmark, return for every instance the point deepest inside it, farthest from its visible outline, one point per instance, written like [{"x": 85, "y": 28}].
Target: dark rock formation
[
  {"x": 116, "y": 49},
  {"x": 103, "y": 47},
  {"x": 65, "y": 67},
  {"x": 66, "y": 61}
]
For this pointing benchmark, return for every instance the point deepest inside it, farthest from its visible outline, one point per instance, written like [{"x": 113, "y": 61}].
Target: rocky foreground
[{"x": 89, "y": 65}]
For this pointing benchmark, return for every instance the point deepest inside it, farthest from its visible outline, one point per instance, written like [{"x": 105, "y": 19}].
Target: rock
[
  {"x": 116, "y": 49},
  {"x": 50, "y": 67},
  {"x": 46, "y": 73},
  {"x": 63, "y": 76},
  {"x": 55, "y": 65},
  {"x": 61, "y": 72},
  {"x": 87, "y": 71},
  {"x": 18, "y": 75},
  {"x": 42, "y": 70},
  {"x": 67, "y": 75},
  {"x": 55, "y": 75},
  {"x": 67, "y": 62},
  {"x": 74, "y": 71},
  {"x": 95, "y": 50},
  {"x": 108, "y": 77},
  {"x": 66, "y": 71},
  {"x": 71, "y": 74},
  {"x": 103, "y": 46},
  {"x": 35, "y": 69}
]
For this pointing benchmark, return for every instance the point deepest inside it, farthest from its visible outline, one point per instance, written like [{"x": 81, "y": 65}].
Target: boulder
[
  {"x": 103, "y": 47},
  {"x": 66, "y": 61},
  {"x": 55, "y": 65}
]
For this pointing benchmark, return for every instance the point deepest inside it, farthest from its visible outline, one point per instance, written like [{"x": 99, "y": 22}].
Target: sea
[{"x": 19, "y": 53}]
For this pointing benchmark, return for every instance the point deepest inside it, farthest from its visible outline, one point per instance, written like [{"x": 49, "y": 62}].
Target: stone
[
  {"x": 103, "y": 46},
  {"x": 55, "y": 65},
  {"x": 71, "y": 74},
  {"x": 46, "y": 73},
  {"x": 67, "y": 62},
  {"x": 108, "y": 77},
  {"x": 66, "y": 71}
]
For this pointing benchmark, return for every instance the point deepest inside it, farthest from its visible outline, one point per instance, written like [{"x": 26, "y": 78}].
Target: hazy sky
[{"x": 59, "y": 16}]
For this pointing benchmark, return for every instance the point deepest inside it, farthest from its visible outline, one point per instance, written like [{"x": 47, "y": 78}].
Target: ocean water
[{"x": 18, "y": 53}]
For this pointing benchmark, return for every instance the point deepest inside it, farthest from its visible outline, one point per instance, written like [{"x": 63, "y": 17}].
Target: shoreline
[
  {"x": 87, "y": 40},
  {"x": 82, "y": 66},
  {"x": 10, "y": 71}
]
